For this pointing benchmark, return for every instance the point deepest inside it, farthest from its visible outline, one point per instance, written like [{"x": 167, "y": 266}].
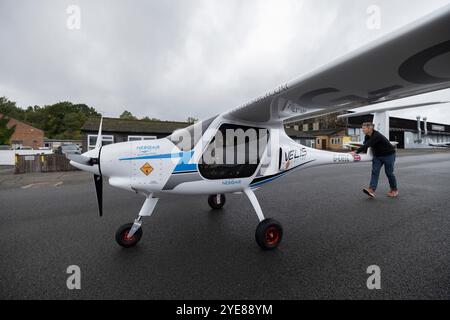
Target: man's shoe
[
  {"x": 393, "y": 194},
  {"x": 370, "y": 192}
]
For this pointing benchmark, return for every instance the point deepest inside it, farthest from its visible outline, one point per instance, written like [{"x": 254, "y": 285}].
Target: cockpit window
[{"x": 234, "y": 152}]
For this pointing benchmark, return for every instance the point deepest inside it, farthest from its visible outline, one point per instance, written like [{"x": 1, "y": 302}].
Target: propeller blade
[
  {"x": 98, "y": 144},
  {"x": 78, "y": 158},
  {"x": 99, "y": 189}
]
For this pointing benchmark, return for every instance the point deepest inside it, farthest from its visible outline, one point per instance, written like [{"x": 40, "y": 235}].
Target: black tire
[
  {"x": 269, "y": 234},
  {"x": 121, "y": 236},
  {"x": 212, "y": 201}
]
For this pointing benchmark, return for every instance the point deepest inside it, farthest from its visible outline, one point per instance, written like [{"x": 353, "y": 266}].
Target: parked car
[{"x": 68, "y": 149}]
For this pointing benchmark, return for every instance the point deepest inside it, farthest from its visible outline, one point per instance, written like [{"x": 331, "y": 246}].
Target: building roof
[
  {"x": 13, "y": 121},
  {"x": 298, "y": 134},
  {"x": 330, "y": 132},
  {"x": 133, "y": 126}
]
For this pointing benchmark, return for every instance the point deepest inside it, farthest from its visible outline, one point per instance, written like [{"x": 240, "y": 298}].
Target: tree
[
  {"x": 191, "y": 120},
  {"x": 150, "y": 119},
  {"x": 62, "y": 120},
  {"x": 5, "y": 132},
  {"x": 127, "y": 115},
  {"x": 10, "y": 109}
]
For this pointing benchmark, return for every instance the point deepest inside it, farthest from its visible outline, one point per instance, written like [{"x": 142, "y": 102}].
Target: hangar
[{"x": 331, "y": 133}]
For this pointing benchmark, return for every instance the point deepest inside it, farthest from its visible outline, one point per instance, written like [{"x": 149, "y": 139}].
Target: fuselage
[{"x": 163, "y": 166}]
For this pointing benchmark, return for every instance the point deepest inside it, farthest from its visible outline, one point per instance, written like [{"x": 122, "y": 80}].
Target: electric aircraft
[{"x": 413, "y": 60}]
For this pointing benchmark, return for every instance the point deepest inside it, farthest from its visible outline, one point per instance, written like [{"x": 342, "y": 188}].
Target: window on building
[
  {"x": 140, "y": 138},
  {"x": 316, "y": 126},
  {"x": 16, "y": 144},
  {"x": 92, "y": 140},
  {"x": 306, "y": 127}
]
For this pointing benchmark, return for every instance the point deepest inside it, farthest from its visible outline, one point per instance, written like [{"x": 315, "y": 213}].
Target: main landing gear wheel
[
  {"x": 269, "y": 234},
  {"x": 124, "y": 240},
  {"x": 216, "y": 201}
]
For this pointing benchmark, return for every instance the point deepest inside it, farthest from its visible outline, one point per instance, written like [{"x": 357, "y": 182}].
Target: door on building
[
  {"x": 324, "y": 144},
  {"x": 398, "y": 137}
]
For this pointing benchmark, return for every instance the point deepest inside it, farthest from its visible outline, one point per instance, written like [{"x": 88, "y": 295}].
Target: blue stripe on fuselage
[{"x": 182, "y": 165}]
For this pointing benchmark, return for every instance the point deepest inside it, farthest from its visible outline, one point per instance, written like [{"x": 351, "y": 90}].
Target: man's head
[{"x": 368, "y": 128}]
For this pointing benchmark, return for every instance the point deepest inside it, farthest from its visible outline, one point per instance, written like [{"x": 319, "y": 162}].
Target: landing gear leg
[
  {"x": 129, "y": 234},
  {"x": 269, "y": 232}
]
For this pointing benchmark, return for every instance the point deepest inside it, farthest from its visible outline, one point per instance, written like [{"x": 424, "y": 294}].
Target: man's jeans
[{"x": 377, "y": 163}]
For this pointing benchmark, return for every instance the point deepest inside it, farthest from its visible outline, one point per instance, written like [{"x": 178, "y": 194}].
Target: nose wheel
[
  {"x": 128, "y": 235},
  {"x": 123, "y": 237},
  {"x": 269, "y": 234},
  {"x": 216, "y": 201}
]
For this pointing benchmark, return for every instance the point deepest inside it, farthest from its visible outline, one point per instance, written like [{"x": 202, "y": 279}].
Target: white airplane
[{"x": 411, "y": 61}]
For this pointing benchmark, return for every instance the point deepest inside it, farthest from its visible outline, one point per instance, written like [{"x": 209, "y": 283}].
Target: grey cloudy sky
[{"x": 173, "y": 59}]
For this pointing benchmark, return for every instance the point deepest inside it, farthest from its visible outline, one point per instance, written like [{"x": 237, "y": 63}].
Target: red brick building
[{"x": 25, "y": 135}]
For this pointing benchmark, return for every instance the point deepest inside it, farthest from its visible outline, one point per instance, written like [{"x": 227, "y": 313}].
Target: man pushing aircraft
[{"x": 383, "y": 154}]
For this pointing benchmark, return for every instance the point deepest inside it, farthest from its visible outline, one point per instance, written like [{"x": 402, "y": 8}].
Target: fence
[
  {"x": 42, "y": 163},
  {"x": 8, "y": 157}
]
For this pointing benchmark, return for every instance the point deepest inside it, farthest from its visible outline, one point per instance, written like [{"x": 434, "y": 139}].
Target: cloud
[{"x": 173, "y": 59}]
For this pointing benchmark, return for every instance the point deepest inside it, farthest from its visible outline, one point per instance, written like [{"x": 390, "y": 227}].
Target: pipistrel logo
[
  {"x": 231, "y": 182},
  {"x": 148, "y": 149}
]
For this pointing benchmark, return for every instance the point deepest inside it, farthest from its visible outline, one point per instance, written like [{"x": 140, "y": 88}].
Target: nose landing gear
[
  {"x": 130, "y": 234},
  {"x": 123, "y": 237}
]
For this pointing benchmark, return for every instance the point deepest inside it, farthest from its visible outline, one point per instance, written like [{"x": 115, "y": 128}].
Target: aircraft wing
[{"x": 408, "y": 62}]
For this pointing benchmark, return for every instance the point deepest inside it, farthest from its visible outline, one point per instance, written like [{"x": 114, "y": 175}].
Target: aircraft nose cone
[{"x": 88, "y": 168}]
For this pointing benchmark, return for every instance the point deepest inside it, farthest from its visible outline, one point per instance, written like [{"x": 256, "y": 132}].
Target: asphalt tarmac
[{"x": 332, "y": 234}]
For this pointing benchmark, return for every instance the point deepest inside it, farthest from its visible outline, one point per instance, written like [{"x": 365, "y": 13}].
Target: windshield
[{"x": 187, "y": 138}]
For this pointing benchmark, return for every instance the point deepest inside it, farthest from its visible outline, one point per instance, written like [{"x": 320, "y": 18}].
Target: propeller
[
  {"x": 78, "y": 158},
  {"x": 86, "y": 160},
  {"x": 98, "y": 179}
]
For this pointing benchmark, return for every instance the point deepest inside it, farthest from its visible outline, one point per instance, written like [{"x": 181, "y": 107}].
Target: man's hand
[{"x": 355, "y": 156}]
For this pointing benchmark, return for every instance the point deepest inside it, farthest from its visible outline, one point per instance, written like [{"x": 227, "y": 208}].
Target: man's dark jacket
[{"x": 380, "y": 145}]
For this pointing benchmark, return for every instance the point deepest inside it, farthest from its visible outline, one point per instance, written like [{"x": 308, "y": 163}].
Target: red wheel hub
[
  {"x": 272, "y": 235},
  {"x": 126, "y": 237}
]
